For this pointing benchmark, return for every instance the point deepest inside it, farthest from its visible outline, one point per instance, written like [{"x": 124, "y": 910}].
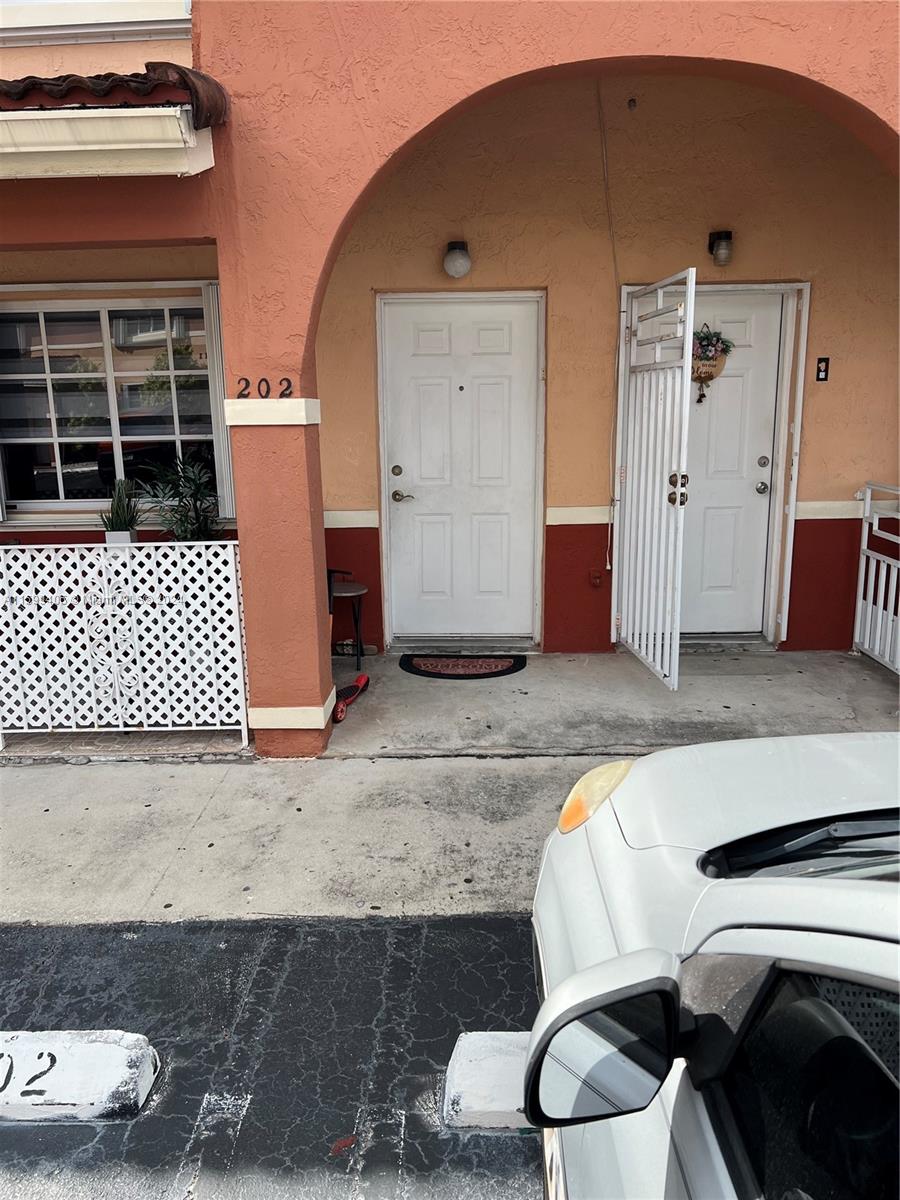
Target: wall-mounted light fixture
[
  {"x": 720, "y": 246},
  {"x": 457, "y": 262}
]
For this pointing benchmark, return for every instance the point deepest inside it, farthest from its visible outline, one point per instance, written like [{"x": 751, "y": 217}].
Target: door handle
[
  {"x": 762, "y": 488},
  {"x": 397, "y": 496}
]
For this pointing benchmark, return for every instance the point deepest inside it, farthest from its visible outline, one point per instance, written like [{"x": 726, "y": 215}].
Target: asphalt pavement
[{"x": 301, "y": 1059}]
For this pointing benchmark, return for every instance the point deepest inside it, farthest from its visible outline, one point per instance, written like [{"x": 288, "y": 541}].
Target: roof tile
[{"x": 162, "y": 82}]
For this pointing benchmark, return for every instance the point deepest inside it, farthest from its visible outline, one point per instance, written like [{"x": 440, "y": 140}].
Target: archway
[{"x": 522, "y": 176}]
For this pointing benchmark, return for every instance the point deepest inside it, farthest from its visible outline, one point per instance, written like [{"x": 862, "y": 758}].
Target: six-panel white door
[
  {"x": 460, "y": 412},
  {"x": 730, "y": 451}
]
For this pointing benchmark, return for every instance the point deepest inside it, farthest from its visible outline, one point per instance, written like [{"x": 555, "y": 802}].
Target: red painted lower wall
[
  {"x": 576, "y": 613},
  {"x": 358, "y": 551},
  {"x": 823, "y": 585}
]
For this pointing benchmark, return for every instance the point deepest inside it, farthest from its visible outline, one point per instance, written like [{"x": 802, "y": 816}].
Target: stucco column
[{"x": 278, "y": 490}]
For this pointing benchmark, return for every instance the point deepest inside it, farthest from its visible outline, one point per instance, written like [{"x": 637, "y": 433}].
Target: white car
[{"x": 716, "y": 936}]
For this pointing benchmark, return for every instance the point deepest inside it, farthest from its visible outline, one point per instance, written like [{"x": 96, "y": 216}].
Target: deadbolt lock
[
  {"x": 396, "y": 469},
  {"x": 763, "y": 460},
  {"x": 673, "y": 480}
]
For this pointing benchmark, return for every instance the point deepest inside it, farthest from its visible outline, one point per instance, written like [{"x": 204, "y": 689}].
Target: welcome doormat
[{"x": 462, "y": 666}]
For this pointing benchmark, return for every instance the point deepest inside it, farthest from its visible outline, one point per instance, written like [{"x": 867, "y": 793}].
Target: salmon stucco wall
[
  {"x": 92, "y": 58},
  {"x": 521, "y": 178}
]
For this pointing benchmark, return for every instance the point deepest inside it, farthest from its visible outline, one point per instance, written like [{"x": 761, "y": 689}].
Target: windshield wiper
[{"x": 836, "y": 832}]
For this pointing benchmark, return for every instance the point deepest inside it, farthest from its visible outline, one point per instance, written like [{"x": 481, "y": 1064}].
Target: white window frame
[{"x": 70, "y": 512}]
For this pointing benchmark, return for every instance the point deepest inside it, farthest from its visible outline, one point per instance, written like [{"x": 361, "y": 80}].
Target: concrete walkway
[
  {"x": 611, "y": 704},
  {"x": 435, "y": 799},
  {"x": 147, "y": 842}
]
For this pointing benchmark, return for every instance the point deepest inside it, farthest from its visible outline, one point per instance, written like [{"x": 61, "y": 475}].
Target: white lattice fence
[
  {"x": 877, "y": 627},
  {"x": 142, "y": 636}
]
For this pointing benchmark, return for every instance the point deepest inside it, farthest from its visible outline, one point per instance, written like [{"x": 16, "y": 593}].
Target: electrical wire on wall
[{"x": 604, "y": 155}]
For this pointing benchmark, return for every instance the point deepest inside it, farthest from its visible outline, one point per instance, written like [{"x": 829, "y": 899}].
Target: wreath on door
[{"x": 710, "y": 349}]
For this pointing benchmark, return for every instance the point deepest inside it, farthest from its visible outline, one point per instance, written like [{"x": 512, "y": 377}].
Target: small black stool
[{"x": 354, "y": 592}]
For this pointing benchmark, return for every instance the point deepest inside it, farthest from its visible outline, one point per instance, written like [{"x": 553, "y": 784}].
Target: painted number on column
[{"x": 264, "y": 387}]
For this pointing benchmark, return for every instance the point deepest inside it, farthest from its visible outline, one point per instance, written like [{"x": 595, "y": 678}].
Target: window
[
  {"x": 813, "y": 1090},
  {"x": 91, "y": 392}
]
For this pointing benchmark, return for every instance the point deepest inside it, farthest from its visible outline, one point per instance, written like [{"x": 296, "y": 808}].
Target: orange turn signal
[{"x": 589, "y": 793}]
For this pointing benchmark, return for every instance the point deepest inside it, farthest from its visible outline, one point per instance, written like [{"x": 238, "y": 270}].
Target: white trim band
[
  {"x": 355, "y": 518},
  {"x": 313, "y": 716},
  {"x": 828, "y": 510},
  {"x": 598, "y": 515},
  {"x": 291, "y": 410}
]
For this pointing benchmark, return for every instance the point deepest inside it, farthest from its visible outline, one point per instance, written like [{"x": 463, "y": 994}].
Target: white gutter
[{"x": 62, "y": 143}]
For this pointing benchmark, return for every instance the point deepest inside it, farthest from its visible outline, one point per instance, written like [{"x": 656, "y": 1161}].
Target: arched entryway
[{"x": 574, "y": 185}]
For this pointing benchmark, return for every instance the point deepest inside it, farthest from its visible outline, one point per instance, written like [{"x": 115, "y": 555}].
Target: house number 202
[{"x": 264, "y": 388}]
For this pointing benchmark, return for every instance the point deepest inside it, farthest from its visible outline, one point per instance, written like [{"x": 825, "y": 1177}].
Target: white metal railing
[
  {"x": 137, "y": 636},
  {"x": 877, "y": 628}
]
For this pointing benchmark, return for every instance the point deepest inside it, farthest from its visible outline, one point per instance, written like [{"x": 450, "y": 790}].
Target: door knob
[
  {"x": 397, "y": 496},
  {"x": 762, "y": 488}
]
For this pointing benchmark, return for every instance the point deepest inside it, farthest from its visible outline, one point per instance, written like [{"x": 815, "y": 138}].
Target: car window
[{"x": 813, "y": 1089}]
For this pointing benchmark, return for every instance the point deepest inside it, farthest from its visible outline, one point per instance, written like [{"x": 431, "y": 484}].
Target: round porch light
[
  {"x": 457, "y": 262},
  {"x": 720, "y": 246}
]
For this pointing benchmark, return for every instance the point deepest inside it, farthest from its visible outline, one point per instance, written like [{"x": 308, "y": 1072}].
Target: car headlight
[{"x": 589, "y": 793}]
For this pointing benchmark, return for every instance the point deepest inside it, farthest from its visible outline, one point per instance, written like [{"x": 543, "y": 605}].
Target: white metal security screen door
[{"x": 651, "y": 471}]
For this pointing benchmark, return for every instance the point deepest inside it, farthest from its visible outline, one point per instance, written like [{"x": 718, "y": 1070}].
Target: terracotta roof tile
[{"x": 161, "y": 82}]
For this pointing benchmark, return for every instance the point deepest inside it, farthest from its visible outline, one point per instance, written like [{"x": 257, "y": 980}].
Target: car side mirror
[{"x": 604, "y": 1040}]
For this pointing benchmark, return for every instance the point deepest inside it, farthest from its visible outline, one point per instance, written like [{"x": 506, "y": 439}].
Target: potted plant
[
  {"x": 124, "y": 513},
  {"x": 709, "y": 351},
  {"x": 185, "y": 500}
]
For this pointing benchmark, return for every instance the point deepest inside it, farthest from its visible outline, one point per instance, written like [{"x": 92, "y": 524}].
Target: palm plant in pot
[
  {"x": 184, "y": 498},
  {"x": 124, "y": 514}
]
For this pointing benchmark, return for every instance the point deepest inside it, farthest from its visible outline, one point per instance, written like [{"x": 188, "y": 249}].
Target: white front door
[
  {"x": 730, "y": 450},
  {"x": 460, "y": 411}
]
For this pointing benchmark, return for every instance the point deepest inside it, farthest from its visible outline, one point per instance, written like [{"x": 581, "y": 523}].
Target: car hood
[{"x": 700, "y": 797}]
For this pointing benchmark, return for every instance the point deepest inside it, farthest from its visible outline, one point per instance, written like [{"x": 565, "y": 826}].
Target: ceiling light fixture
[
  {"x": 720, "y": 246},
  {"x": 457, "y": 262}
]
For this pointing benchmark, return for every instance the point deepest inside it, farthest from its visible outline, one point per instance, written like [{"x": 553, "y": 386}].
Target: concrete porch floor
[{"x": 610, "y": 704}]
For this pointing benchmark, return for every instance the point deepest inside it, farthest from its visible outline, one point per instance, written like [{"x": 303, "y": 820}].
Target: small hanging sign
[{"x": 710, "y": 349}]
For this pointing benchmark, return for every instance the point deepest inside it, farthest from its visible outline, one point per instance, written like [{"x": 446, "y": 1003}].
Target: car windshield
[{"x": 858, "y": 845}]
